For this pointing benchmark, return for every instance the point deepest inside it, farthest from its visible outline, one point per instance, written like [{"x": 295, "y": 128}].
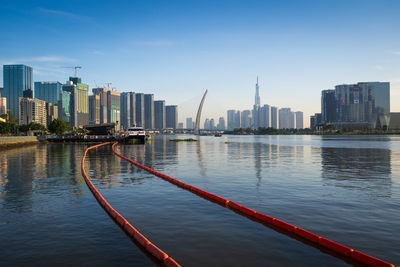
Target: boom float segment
[
  {"x": 323, "y": 242},
  {"x": 122, "y": 222}
]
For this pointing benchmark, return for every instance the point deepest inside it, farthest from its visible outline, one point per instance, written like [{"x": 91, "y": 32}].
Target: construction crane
[
  {"x": 108, "y": 85},
  {"x": 75, "y": 68}
]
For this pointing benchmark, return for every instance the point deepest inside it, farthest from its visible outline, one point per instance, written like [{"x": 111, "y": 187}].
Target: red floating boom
[
  {"x": 323, "y": 242},
  {"x": 122, "y": 222}
]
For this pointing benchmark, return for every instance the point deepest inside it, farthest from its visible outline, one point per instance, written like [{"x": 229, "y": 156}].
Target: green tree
[
  {"x": 33, "y": 126},
  {"x": 7, "y": 128},
  {"x": 58, "y": 127}
]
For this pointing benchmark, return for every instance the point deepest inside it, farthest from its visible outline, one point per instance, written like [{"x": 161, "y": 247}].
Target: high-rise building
[
  {"x": 221, "y": 123},
  {"x": 286, "y": 118},
  {"x": 148, "y": 111},
  {"x": 189, "y": 123},
  {"x": 79, "y": 103},
  {"x": 328, "y": 106},
  {"x": 292, "y": 120},
  {"x": 64, "y": 107},
  {"x": 230, "y": 114},
  {"x": 257, "y": 97},
  {"x": 102, "y": 93},
  {"x": 206, "y": 124},
  {"x": 245, "y": 120},
  {"x": 3, "y": 105},
  {"x": 299, "y": 120},
  {"x": 212, "y": 124},
  {"x": 171, "y": 116},
  {"x": 180, "y": 125},
  {"x": 233, "y": 119},
  {"x": 264, "y": 116},
  {"x": 274, "y": 117},
  {"x": 159, "y": 114},
  {"x": 132, "y": 109},
  {"x": 94, "y": 109},
  {"x": 113, "y": 108},
  {"x": 256, "y": 108},
  {"x": 313, "y": 123},
  {"x": 127, "y": 109},
  {"x": 51, "y": 112},
  {"x": 32, "y": 110},
  {"x": 140, "y": 110},
  {"x": 315, "y": 120},
  {"x": 48, "y": 91},
  {"x": 363, "y": 104},
  {"x": 16, "y": 80}
]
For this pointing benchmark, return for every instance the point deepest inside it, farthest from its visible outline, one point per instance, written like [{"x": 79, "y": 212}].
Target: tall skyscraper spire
[{"x": 257, "y": 98}]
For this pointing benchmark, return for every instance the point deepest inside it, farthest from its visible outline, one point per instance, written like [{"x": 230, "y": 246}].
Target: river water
[{"x": 345, "y": 188}]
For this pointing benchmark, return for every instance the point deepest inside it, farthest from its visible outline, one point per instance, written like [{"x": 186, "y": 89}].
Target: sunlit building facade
[
  {"x": 32, "y": 110},
  {"x": 48, "y": 91},
  {"x": 365, "y": 104},
  {"x": 17, "y": 79}
]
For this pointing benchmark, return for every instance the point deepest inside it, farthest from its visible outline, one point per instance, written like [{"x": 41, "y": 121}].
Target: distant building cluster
[
  {"x": 72, "y": 103},
  {"x": 355, "y": 106},
  {"x": 264, "y": 116}
]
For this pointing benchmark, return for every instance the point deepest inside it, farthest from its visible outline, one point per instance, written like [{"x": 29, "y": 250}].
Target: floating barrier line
[
  {"x": 122, "y": 222},
  {"x": 297, "y": 231}
]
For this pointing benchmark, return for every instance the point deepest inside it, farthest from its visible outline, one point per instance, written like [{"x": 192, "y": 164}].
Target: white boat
[{"x": 137, "y": 134}]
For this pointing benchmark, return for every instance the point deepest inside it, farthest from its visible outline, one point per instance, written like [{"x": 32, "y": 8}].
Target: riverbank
[{"x": 14, "y": 141}]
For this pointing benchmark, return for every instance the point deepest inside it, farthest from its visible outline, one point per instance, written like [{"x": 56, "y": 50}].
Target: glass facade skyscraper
[
  {"x": 159, "y": 114},
  {"x": 365, "y": 104},
  {"x": 48, "y": 91},
  {"x": 328, "y": 106},
  {"x": 139, "y": 109},
  {"x": 128, "y": 111},
  {"x": 148, "y": 111},
  {"x": 171, "y": 116},
  {"x": 16, "y": 80}
]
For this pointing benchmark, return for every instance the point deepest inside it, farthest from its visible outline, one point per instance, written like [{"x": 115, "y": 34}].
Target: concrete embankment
[{"x": 11, "y": 141}]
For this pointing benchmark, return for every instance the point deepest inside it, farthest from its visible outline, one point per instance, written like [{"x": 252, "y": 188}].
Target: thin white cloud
[
  {"x": 61, "y": 13},
  {"x": 396, "y": 53},
  {"x": 97, "y": 52},
  {"x": 40, "y": 59},
  {"x": 156, "y": 43}
]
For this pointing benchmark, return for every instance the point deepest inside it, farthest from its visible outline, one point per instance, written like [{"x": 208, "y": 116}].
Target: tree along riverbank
[{"x": 273, "y": 131}]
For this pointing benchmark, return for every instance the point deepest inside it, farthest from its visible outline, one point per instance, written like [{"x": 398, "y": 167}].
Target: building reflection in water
[
  {"x": 263, "y": 156},
  {"x": 110, "y": 171},
  {"x": 17, "y": 177},
  {"x": 104, "y": 166},
  {"x": 367, "y": 169},
  {"x": 202, "y": 166}
]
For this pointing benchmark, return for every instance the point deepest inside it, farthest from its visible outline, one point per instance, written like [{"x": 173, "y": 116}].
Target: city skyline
[{"x": 296, "y": 49}]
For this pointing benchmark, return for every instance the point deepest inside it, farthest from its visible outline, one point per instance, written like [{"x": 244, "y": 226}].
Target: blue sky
[{"x": 177, "y": 49}]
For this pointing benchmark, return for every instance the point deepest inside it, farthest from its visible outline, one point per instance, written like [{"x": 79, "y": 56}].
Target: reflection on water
[
  {"x": 337, "y": 187},
  {"x": 354, "y": 168}
]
